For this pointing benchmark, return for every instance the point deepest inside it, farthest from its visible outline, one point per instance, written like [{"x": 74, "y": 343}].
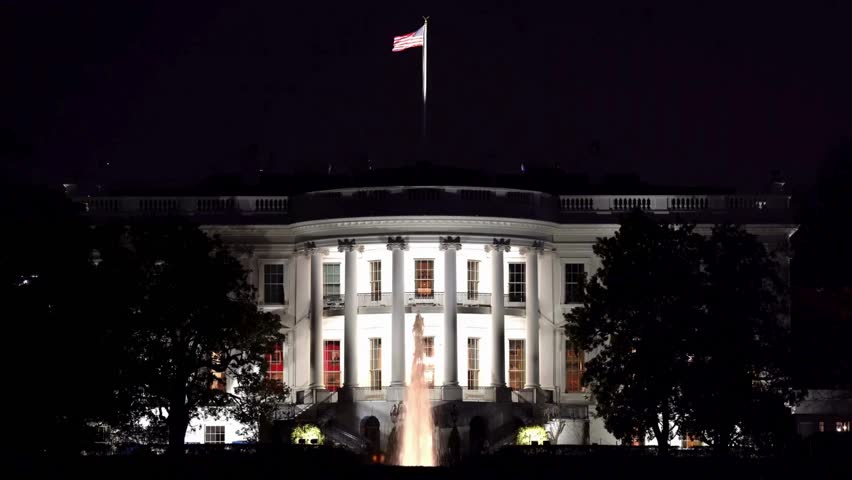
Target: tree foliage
[
  {"x": 740, "y": 374},
  {"x": 687, "y": 333},
  {"x": 185, "y": 314},
  {"x": 60, "y": 379},
  {"x": 639, "y": 311}
]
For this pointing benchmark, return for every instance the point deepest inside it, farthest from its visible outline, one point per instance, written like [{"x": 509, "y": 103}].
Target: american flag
[{"x": 409, "y": 40}]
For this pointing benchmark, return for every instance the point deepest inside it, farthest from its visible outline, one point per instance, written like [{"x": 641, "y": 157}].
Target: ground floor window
[
  {"x": 429, "y": 361},
  {"x": 689, "y": 441},
  {"x": 574, "y": 365},
  {"x": 214, "y": 434},
  {"x": 376, "y": 363},
  {"x": 473, "y": 363},
  {"x": 516, "y": 364},
  {"x": 331, "y": 364},
  {"x": 275, "y": 364}
]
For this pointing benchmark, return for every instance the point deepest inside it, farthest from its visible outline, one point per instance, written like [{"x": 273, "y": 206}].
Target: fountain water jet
[{"x": 417, "y": 447}]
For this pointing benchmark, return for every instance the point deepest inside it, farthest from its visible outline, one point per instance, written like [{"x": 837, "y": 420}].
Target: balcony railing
[
  {"x": 473, "y": 299},
  {"x": 385, "y": 299},
  {"x": 514, "y": 300},
  {"x": 375, "y": 299},
  {"x": 332, "y": 301}
]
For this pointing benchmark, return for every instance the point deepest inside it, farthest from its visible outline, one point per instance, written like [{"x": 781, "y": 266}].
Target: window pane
[
  {"x": 472, "y": 279},
  {"x": 423, "y": 279},
  {"x": 472, "y": 363},
  {"x": 429, "y": 361},
  {"x": 574, "y": 364},
  {"x": 331, "y": 281},
  {"x": 516, "y": 364},
  {"x": 517, "y": 282},
  {"x": 376, "y": 363},
  {"x": 331, "y": 362},
  {"x": 376, "y": 280},
  {"x": 273, "y": 284},
  {"x": 214, "y": 434},
  {"x": 275, "y": 364},
  {"x": 574, "y": 273}
]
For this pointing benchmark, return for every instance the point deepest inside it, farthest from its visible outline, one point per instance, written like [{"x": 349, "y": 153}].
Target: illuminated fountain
[{"x": 417, "y": 446}]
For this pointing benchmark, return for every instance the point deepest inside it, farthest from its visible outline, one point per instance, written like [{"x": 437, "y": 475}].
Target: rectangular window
[
  {"x": 473, "y": 279},
  {"x": 517, "y": 282},
  {"x": 331, "y": 282},
  {"x": 573, "y": 282},
  {"x": 424, "y": 278},
  {"x": 331, "y": 364},
  {"x": 376, "y": 363},
  {"x": 689, "y": 441},
  {"x": 429, "y": 361},
  {"x": 473, "y": 363},
  {"x": 214, "y": 434},
  {"x": 376, "y": 280},
  {"x": 517, "y": 370},
  {"x": 273, "y": 284},
  {"x": 275, "y": 364},
  {"x": 574, "y": 365}
]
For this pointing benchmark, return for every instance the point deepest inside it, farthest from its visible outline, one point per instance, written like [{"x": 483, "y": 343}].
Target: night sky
[{"x": 172, "y": 92}]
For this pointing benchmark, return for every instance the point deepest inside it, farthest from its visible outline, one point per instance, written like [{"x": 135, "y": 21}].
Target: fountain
[{"x": 417, "y": 446}]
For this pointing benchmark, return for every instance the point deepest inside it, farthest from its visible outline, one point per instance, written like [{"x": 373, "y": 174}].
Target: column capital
[
  {"x": 537, "y": 247},
  {"x": 397, "y": 243},
  {"x": 500, "y": 245},
  {"x": 307, "y": 249},
  {"x": 447, "y": 243},
  {"x": 346, "y": 245}
]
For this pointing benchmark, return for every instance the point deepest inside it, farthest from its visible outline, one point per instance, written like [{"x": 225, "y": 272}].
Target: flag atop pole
[{"x": 417, "y": 38}]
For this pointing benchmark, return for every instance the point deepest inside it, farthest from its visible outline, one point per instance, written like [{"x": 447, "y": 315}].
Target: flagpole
[{"x": 425, "y": 41}]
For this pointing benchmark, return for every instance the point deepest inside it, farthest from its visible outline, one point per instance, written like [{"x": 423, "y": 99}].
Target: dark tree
[
  {"x": 63, "y": 376},
  {"x": 639, "y": 311},
  {"x": 185, "y": 315},
  {"x": 740, "y": 369},
  {"x": 822, "y": 276}
]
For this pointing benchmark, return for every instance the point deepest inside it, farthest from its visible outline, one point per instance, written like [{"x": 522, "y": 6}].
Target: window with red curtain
[
  {"x": 275, "y": 364},
  {"x": 331, "y": 364},
  {"x": 574, "y": 365}
]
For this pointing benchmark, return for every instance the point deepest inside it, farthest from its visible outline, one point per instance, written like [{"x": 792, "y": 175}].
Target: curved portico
[{"x": 465, "y": 286}]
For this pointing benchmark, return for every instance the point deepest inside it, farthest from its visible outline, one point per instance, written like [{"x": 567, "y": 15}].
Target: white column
[
  {"x": 398, "y": 246},
  {"x": 350, "y": 314},
  {"x": 451, "y": 388},
  {"x": 316, "y": 317},
  {"x": 498, "y": 329},
  {"x": 532, "y": 314}
]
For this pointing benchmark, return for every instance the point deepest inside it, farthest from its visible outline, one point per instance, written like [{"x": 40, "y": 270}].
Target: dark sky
[{"x": 681, "y": 93}]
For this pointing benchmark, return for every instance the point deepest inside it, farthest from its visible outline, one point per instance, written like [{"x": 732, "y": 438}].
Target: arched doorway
[
  {"x": 370, "y": 430},
  {"x": 478, "y": 435}
]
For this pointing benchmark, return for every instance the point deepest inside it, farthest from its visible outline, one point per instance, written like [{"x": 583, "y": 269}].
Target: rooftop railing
[{"x": 430, "y": 200}]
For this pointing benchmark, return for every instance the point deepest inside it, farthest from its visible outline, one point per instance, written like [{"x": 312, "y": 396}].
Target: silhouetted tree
[
  {"x": 61, "y": 381},
  {"x": 639, "y": 311},
  {"x": 822, "y": 275},
  {"x": 185, "y": 314},
  {"x": 740, "y": 371}
]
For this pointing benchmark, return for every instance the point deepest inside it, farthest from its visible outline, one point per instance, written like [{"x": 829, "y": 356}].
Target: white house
[{"x": 491, "y": 270}]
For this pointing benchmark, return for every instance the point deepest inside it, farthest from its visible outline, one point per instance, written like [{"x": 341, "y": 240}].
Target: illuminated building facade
[{"x": 491, "y": 270}]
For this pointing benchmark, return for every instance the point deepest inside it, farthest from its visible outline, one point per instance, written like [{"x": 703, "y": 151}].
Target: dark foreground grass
[{"x": 329, "y": 463}]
